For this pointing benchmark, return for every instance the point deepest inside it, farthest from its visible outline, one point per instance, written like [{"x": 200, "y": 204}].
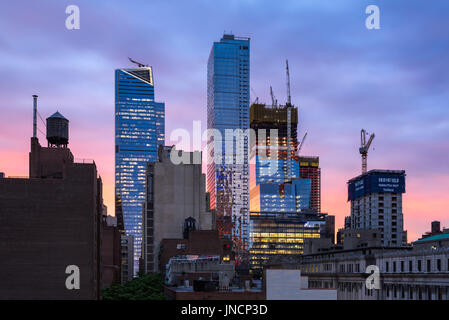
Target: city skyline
[{"x": 344, "y": 78}]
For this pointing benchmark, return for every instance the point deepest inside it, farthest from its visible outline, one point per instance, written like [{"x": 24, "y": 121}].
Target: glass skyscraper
[
  {"x": 139, "y": 130},
  {"x": 228, "y": 108}
]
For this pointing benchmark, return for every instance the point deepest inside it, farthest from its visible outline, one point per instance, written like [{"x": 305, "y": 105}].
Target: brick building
[{"x": 50, "y": 221}]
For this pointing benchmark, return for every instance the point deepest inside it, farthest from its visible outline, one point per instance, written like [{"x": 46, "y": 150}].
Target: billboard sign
[{"x": 376, "y": 183}]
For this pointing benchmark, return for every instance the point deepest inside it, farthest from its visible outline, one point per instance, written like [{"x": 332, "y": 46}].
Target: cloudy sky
[{"x": 344, "y": 77}]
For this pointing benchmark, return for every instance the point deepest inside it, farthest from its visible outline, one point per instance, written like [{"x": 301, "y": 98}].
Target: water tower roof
[{"x": 57, "y": 115}]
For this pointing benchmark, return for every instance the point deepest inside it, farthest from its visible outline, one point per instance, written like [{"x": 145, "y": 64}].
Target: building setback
[
  {"x": 228, "y": 87},
  {"x": 139, "y": 130},
  {"x": 176, "y": 202},
  {"x": 50, "y": 221}
]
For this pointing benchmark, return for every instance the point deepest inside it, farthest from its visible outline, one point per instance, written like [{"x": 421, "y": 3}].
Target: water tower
[{"x": 57, "y": 131}]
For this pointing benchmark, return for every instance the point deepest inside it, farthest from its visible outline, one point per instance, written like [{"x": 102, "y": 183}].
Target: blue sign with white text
[{"x": 376, "y": 183}]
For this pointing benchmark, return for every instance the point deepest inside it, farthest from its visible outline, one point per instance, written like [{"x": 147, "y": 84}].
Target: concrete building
[
  {"x": 127, "y": 257},
  {"x": 50, "y": 221},
  {"x": 197, "y": 242},
  {"x": 376, "y": 204},
  {"x": 284, "y": 284},
  {"x": 206, "y": 277},
  {"x": 199, "y": 267},
  {"x": 176, "y": 199},
  {"x": 417, "y": 272}
]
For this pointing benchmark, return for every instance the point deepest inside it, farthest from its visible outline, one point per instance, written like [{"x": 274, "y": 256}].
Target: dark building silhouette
[
  {"x": 198, "y": 242},
  {"x": 49, "y": 221},
  {"x": 110, "y": 251}
]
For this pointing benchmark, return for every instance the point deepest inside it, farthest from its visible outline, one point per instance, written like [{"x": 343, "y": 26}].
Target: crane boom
[
  {"x": 302, "y": 142},
  {"x": 371, "y": 138},
  {"x": 140, "y": 65},
  {"x": 364, "y": 147}
]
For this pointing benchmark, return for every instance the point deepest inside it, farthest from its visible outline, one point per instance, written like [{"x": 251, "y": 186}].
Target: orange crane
[{"x": 364, "y": 148}]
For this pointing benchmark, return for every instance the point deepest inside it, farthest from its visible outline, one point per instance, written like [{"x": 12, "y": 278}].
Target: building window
[
  {"x": 386, "y": 266},
  {"x": 419, "y": 266},
  {"x": 410, "y": 266},
  {"x": 394, "y": 266},
  {"x": 439, "y": 265},
  {"x": 402, "y": 266},
  {"x": 429, "y": 266}
]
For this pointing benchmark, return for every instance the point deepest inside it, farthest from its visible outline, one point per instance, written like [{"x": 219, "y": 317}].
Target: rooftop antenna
[
  {"x": 34, "y": 116},
  {"x": 140, "y": 65}
]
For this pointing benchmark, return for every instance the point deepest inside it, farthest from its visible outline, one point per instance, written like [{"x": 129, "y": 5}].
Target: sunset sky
[{"x": 393, "y": 81}]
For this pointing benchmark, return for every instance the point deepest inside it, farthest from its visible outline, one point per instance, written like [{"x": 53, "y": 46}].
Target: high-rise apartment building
[
  {"x": 309, "y": 168},
  {"x": 376, "y": 203},
  {"x": 228, "y": 94},
  {"x": 139, "y": 130}
]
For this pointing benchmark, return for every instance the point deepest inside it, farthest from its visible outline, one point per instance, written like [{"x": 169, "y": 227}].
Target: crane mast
[
  {"x": 289, "y": 99},
  {"x": 273, "y": 99},
  {"x": 364, "y": 147}
]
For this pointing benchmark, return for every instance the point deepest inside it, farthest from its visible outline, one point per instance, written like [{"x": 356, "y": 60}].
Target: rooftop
[
  {"x": 442, "y": 236},
  {"x": 377, "y": 171}
]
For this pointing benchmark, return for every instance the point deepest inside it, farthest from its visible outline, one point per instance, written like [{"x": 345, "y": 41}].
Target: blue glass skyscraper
[
  {"x": 228, "y": 108},
  {"x": 139, "y": 130}
]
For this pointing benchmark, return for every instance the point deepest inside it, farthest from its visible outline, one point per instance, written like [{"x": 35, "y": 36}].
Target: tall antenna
[
  {"x": 289, "y": 98},
  {"x": 34, "y": 115}
]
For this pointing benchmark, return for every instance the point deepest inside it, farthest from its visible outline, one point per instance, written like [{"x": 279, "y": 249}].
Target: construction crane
[
  {"x": 364, "y": 148},
  {"x": 289, "y": 98},
  {"x": 140, "y": 65},
  {"x": 289, "y": 122},
  {"x": 257, "y": 98},
  {"x": 302, "y": 142},
  {"x": 274, "y": 102}
]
